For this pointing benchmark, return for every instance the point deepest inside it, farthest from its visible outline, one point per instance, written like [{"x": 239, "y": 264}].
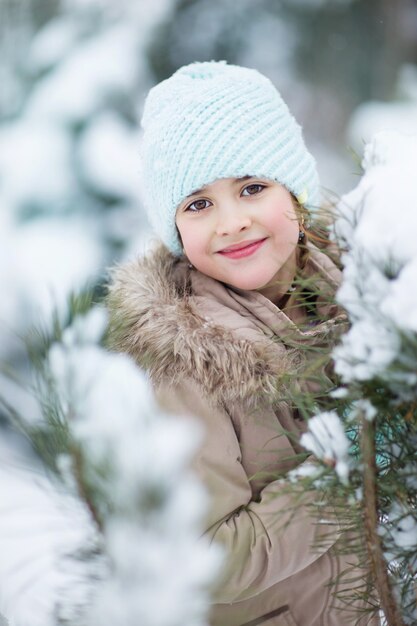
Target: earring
[{"x": 301, "y": 236}]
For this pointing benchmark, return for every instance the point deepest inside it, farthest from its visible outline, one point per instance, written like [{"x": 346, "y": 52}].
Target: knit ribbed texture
[{"x": 213, "y": 120}]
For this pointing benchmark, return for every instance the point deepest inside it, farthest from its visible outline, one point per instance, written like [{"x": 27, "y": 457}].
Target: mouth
[{"x": 242, "y": 249}]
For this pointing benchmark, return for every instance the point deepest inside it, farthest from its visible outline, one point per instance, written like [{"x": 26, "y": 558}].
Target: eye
[
  {"x": 197, "y": 205},
  {"x": 253, "y": 189}
]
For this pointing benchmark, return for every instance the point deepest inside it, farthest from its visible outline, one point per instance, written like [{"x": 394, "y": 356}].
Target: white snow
[
  {"x": 399, "y": 528},
  {"x": 42, "y": 262},
  {"x": 39, "y": 526},
  {"x": 364, "y": 407},
  {"x": 157, "y": 581},
  {"x": 108, "y": 152},
  {"x": 35, "y": 165},
  {"x": 399, "y": 115},
  {"x": 8, "y": 301},
  {"x": 69, "y": 146},
  {"x": 401, "y": 308},
  {"x": 326, "y": 439},
  {"x": 373, "y": 117},
  {"x": 111, "y": 400},
  {"x": 405, "y": 533},
  {"x": 151, "y": 505},
  {"x": 54, "y": 258},
  {"x": 376, "y": 222},
  {"x": 140, "y": 458},
  {"x": 102, "y": 66},
  {"x": 52, "y": 43},
  {"x": 305, "y": 470},
  {"x": 88, "y": 329}
]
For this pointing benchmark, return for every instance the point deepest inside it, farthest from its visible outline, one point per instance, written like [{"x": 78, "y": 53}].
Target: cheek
[
  {"x": 192, "y": 240},
  {"x": 192, "y": 251},
  {"x": 284, "y": 225}
]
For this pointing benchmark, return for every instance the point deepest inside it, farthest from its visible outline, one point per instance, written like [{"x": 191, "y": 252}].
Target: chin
[{"x": 248, "y": 283}]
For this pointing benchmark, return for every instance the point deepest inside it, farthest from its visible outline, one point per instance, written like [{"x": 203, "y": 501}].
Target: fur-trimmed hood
[{"x": 179, "y": 324}]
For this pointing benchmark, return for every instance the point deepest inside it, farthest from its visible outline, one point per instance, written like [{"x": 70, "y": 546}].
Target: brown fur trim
[{"x": 154, "y": 318}]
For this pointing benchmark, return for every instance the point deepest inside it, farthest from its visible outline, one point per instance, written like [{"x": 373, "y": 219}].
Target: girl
[{"x": 221, "y": 316}]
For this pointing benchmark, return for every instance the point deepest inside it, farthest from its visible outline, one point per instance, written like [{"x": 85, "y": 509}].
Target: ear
[{"x": 302, "y": 214}]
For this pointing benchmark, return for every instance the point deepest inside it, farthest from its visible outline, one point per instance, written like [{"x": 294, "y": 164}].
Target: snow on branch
[
  {"x": 377, "y": 223},
  {"x": 370, "y": 438},
  {"x": 127, "y": 469},
  {"x": 327, "y": 440}
]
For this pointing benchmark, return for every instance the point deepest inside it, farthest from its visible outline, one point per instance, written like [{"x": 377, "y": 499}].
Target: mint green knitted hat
[{"x": 212, "y": 120}]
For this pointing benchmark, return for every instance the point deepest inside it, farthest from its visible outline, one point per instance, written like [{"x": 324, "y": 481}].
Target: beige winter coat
[{"x": 226, "y": 356}]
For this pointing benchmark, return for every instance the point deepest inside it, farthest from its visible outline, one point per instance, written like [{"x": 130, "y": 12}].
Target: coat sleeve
[{"x": 266, "y": 540}]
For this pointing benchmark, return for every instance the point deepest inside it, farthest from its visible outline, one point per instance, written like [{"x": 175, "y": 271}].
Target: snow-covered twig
[{"x": 127, "y": 467}]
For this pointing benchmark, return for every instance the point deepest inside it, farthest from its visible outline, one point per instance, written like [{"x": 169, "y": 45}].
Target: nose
[{"x": 232, "y": 220}]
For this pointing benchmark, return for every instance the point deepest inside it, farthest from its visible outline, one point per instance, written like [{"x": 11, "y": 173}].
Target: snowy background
[{"x": 73, "y": 76}]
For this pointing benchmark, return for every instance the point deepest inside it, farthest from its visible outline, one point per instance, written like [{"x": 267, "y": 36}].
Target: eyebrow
[{"x": 235, "y": 182}]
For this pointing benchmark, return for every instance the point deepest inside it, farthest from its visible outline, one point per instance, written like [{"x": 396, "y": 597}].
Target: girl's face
[{"x": 241, "y": 231}]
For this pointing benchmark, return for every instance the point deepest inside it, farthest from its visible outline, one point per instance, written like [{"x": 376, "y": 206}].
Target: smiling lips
[{"x": 243, "y": 249}]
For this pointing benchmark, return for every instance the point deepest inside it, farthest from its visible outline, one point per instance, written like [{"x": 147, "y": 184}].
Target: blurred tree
[
  {"x": 345, "y": 51},
  {"x": 69, "y": 179},
  {"x": 201, "y": 31},
  {"x": 19, "y": 20},
  {"x": 354, "y": 50}
]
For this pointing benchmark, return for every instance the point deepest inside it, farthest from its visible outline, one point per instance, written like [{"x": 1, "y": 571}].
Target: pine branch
[
  {"x": 83, "y": 491},
  {"x": 373, "y": 540}
]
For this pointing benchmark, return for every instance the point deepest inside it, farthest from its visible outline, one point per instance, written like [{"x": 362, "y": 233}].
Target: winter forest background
[{"x": 73, "y": 76}]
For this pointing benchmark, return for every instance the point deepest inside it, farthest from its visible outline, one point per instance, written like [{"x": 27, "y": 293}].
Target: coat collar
[{"x": 177, "y": 323}]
